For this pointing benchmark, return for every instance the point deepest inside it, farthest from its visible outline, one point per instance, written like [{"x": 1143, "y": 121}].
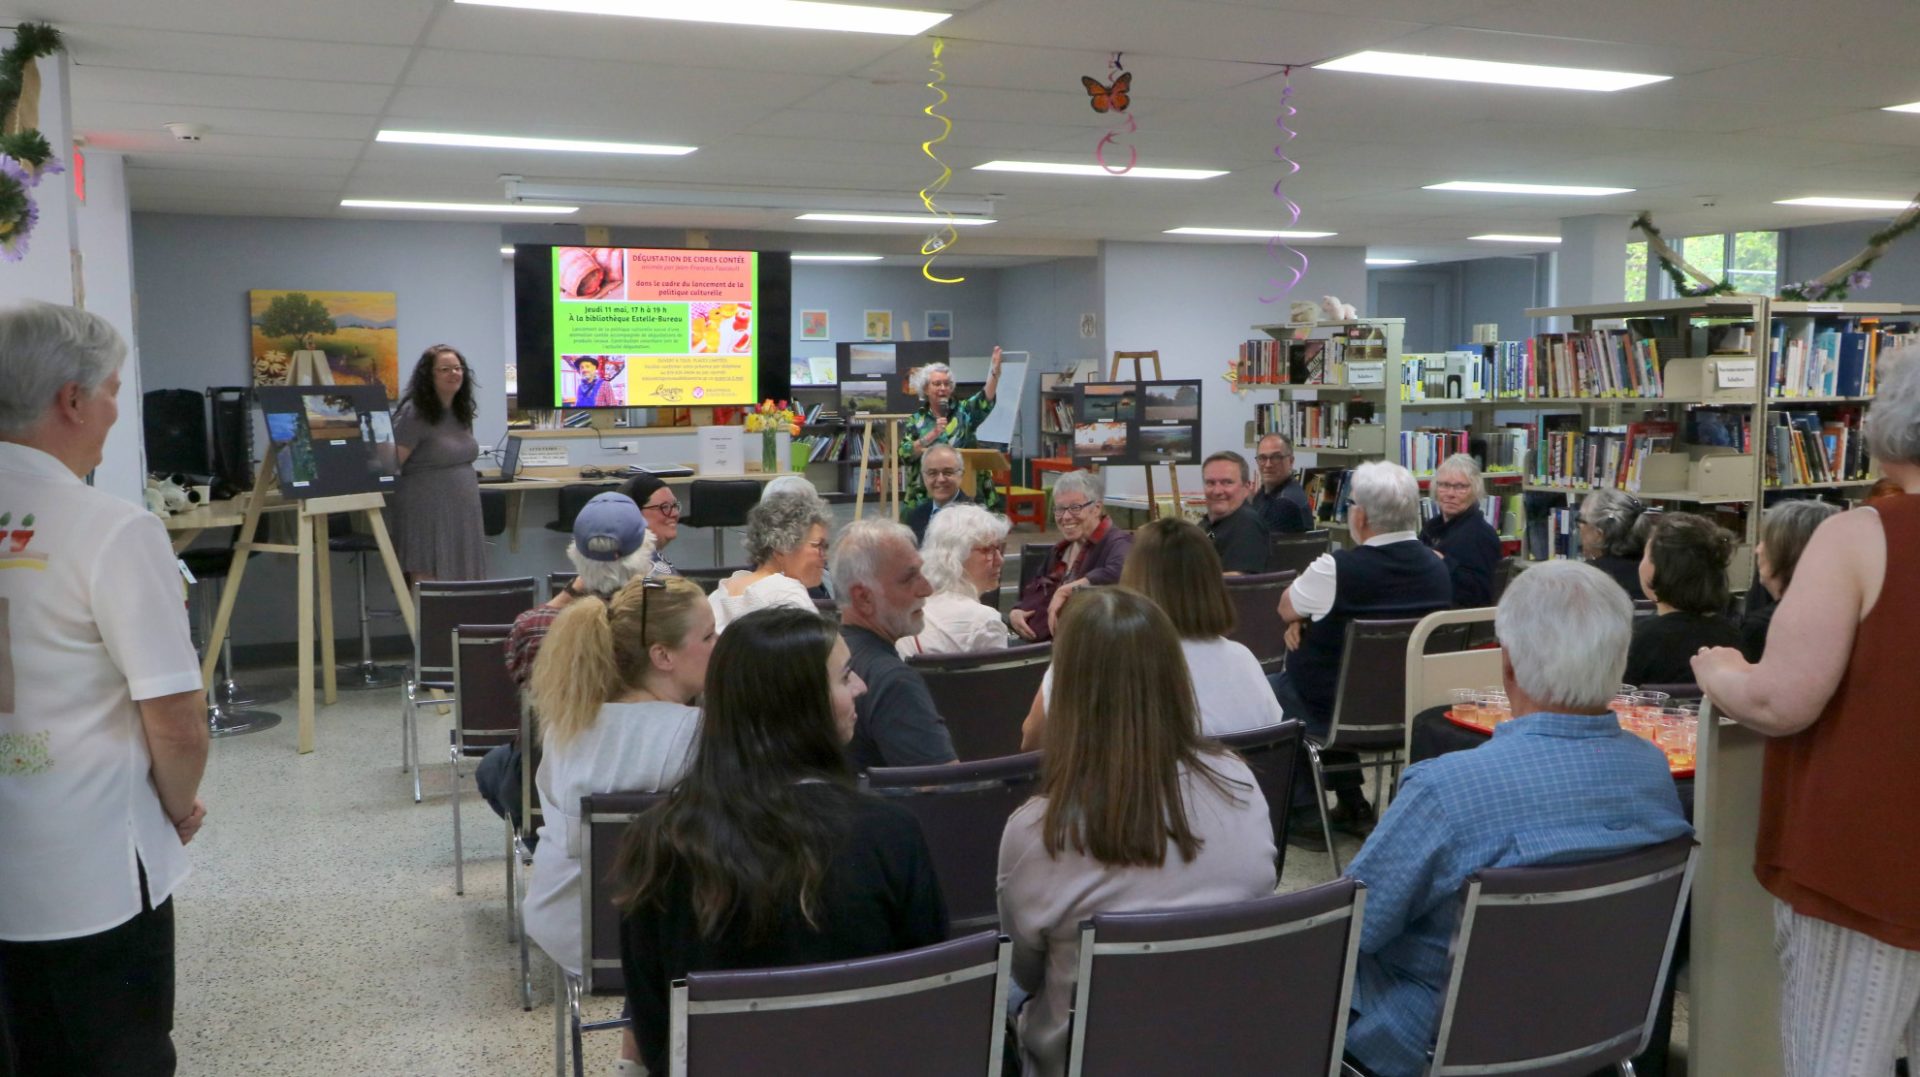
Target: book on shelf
[
  {"x": 1645, "y": 437},
  {"x": 1312, "y": 424},
  {"x": 1728, "y": 429},
  {"x": 1318, "y": 361},
  {"x": 1460, "y": 374},
  {"x": 1574, "y": 455},
  {"x": 1329, "y": 491},
  {"x": 1422, "y": 450},
  {"x": 1601, "y": 363},
  {"x": 1056, "y": 415},
  {"x": 1806, "y": 447},
  {"x": 1503, "y": 451},
  {"x": 1819, "y": 358}
]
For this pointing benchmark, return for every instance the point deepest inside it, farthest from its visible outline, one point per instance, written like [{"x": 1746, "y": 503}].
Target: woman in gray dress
[{"x": 436, "y": 504}]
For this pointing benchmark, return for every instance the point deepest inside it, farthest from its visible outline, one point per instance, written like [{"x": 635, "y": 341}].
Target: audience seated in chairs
[
  {"x": 1560, "y": 783},
  {"x": 1785, "y": 530},
  {"x": 1090, "y": 553},
  {"x": 1238, "y": 535},
  {"x": 787, "y": 544},
  {"x": 962, "y": 555},
  {"x": 1388, "y": 574},
  {"x": 1460, "y": 534},
  {"x": 1174, "y": 565},
  {"x": 612, "y": 691},
  {"x": 1136, "y": 810},
  {"x": 1613, "y": 534},
  {"x": 661, "y": 507},
  {"x": 766, "y": 855},
  {"x": 1684, "y": 571},
  {"x": 882, "y": 598},
  {"x": 611, "y": 545},
  {"x": 1279, "y": 500},
  {"x": 940, "y": 468}
]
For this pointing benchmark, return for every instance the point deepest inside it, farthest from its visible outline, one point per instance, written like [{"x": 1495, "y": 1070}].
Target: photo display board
[
  {"x": 876, "y": 376},
  {"x": 1137, "y": 422},
  {"x": 329, "y": 440}
]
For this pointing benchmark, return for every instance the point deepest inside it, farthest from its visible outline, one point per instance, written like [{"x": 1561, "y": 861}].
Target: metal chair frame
[
  {"x": 569, "y": 1023},
  {"x": 1342, "y": 729},
  {"x": 1092, "y": 949},
  {"x": 1460, "y": 949},
  {"x": 492, "y": 638},
  {"x": 423, "y": 678}
]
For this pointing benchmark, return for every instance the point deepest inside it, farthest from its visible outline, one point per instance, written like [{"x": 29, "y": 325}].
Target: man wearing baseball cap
[{"x": 611, "y": 545}]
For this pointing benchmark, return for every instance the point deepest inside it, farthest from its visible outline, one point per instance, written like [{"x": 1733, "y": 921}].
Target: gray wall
[
  {"x": 847, "y": 292},
  {"x": 1812, "y": 251},
  {"x": 1040, "y": 308},
  {"x": 1455, "y": 296}
]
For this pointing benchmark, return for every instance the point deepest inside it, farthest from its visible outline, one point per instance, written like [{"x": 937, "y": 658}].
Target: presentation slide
[{"x": 638, "y": 327}]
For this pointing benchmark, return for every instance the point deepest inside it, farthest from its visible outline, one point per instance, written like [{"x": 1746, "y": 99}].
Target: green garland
[
  {"x": 31, "y": 40},
  {"x": 1814, "y": 291},
  {"x": 1681, "y": 285}
]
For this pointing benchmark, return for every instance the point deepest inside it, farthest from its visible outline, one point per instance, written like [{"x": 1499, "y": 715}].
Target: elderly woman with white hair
[
  {"x": 965, "y": 550},
  {"x": 1387, "y": 574},
  {"x": 1092, "y": 550},
  {"x": 943, "y": 421},
  {"x": 1460, "y": 534},
  {"x": 787, "y": 543},
  {"x": 1837, "y": 818}
]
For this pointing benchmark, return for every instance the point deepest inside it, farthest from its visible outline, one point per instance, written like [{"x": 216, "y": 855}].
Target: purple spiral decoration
[{"x": 1284, "y": 288}]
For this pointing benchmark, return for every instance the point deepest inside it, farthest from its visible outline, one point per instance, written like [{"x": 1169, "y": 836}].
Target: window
[{"x": 1749, "y": 260}]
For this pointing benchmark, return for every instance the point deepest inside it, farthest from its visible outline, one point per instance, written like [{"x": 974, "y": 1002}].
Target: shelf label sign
[
  {"x": 1366, "y": 373},
  {"x": 543, "y": 455},
  {"x": 1735, "y": 373},
  {"x": 1825, "y": 308}
]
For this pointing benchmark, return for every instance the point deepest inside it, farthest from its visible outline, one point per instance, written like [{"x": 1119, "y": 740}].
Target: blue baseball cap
[{"x": 609, "y": 528}]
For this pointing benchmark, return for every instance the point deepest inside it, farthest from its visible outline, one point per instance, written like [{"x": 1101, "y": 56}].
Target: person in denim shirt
[{"x": 1560, "y": 783}]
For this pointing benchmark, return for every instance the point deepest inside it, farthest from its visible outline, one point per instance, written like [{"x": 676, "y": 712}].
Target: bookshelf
[
  {"x": 1822, "y": 362},
  {"x": 1665, "y": 392},
  {"x": 1056, "y": 421}
]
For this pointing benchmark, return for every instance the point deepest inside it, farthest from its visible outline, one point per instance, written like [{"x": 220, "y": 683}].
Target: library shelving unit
[
  {"x": 1056, "y": 440},
  {"x": 1829, "y": 381},
  {"x": 1694, "y": 378},
  {"x": 1375, "y": 440}
]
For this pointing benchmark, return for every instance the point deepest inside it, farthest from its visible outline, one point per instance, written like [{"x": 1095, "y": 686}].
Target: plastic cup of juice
[{"x": 1466, "y": 704}]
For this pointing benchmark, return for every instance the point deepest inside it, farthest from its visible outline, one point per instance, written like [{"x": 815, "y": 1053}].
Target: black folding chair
[
  {"x": 1257, "y": 622},
  {"x": 439, "y": 606},
  {"x": 962, "y": 808},
  {"x": 984, "y": 696}
]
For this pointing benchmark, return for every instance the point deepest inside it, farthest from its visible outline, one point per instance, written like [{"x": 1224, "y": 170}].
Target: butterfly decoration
[{"x": 1112, "y": 97}]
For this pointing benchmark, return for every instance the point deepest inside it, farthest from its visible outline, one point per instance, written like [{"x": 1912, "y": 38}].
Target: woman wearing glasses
[
  {"x": 966, "y": 547},
  {"x": 942, "y": 420},
  {"x": 662, "y": 511},
  {"x": 1091, "y": 552},
  {"x": 434, "y": 508},
  {"x": 613, "y": 689},
  {"x": 787, "y": 542},
  {"x": 1460, "y": 533}
]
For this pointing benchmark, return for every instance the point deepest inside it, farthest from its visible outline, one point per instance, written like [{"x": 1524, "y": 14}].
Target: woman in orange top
[{"x": 1839, "y": 837}]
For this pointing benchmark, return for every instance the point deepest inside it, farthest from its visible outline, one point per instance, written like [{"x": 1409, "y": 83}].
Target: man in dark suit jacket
[{"x": 940, "y": 469}]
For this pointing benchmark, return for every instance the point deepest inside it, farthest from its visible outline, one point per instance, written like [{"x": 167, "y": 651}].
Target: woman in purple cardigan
[{"x": 1091, "y": 552}]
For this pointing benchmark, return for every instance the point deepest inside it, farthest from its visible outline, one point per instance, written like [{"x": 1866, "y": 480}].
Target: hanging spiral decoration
[
  {"x": 1275, "y": 246},
  {"x": 944, "y": 237}
]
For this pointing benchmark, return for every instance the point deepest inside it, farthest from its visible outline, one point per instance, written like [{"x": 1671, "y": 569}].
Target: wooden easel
[
  {"x": 889, "y": 467},
  {"x": 1173, "y": 470},
  {"x": 311, "y": 529}
]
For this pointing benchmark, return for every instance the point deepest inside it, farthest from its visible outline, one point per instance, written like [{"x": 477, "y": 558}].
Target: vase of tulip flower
[{"x": 777, "y": 423}]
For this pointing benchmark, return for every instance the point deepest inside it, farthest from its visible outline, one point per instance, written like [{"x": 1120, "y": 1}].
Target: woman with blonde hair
[
  {"x": 1136, "y": 810},
  {"x": 965, "y": 549},
  {"x": 612, "y": 691}
]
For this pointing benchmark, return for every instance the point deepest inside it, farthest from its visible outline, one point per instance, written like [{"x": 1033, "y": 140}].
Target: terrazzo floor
[{"x": 319, "y": 933}]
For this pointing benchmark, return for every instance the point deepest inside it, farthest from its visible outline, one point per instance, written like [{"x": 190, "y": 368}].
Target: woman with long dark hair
[
  {"x": 766, "y": 854},
  {"x": 1136, "y": 809},
  {"x": 435, "y": 507}
]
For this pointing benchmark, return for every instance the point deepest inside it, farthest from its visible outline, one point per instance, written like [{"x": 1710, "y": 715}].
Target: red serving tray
[{"x": 1678, "y": 772}]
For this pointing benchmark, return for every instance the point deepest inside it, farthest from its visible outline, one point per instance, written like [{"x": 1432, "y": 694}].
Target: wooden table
[
  {"x": 553, "y": 478},
  {"x": 184, "y": 527}
]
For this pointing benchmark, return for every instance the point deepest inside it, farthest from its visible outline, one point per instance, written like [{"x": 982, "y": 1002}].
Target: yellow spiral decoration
[{"x": 944, "y": 238}]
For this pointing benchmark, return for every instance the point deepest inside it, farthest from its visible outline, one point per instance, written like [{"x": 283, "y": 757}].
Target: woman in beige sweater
[{"x": 1136, "y": 810}]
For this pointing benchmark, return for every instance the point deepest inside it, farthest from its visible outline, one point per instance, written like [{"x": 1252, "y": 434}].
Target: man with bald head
[{"x": 940, "y": 469}]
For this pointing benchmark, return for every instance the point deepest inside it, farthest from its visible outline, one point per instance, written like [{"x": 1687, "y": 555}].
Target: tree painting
[
  {"x": 296, "y": 315},
  {"x": 352, "y": 337}
]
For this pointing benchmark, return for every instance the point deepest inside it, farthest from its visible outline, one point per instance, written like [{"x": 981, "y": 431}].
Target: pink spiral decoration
[{"x": 1284, "y": 288}]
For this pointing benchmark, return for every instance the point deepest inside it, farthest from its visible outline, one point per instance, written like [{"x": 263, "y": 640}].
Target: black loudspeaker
[
  {"x": 232, "y": 440},
  {"x": 175, "y": 423}
]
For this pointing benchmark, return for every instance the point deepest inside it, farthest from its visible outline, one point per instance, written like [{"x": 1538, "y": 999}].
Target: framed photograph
[
  {"x": 939, "y": 325},
  {"x": 813, "y": 325},
  {"x": 879, "y": 325}
]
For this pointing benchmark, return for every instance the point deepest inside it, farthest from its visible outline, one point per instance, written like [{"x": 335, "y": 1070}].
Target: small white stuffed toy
[
  {"x": 168, "y": 494},
  {"x": 1336, "y": 311}
]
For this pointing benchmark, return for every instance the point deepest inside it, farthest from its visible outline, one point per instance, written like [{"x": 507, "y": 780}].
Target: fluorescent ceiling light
[
  {"x": 1911, "y": 106},
  {"x": 453, "y": 207},
  {"x": 1504, "y": 237},
  {"x": 508, "y": 251},
  {"x": 1390, "y": 261},
  {"x": 1848, "y": 203},
  {"x": 919, "y": 220},
  {"x": 1456, "y": 69},
  {"x": 1060, "y": 168},
  {"x": 788, "y": 14},
  {"x": 836, "y": 258},
  {"x": 516, "y": 142},
  {"x": 1525, "y": 188},
  {"x": 1247, "y": 233}
]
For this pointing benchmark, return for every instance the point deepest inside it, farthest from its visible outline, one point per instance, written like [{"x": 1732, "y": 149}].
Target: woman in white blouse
[
  {"x": 612, "y": 690},
  {"x": 1173, "y": 563},
  {"x": 787, "y": 543},
  {"x": 1136, "y": 809},
  {"x": 966, "y": 547}
]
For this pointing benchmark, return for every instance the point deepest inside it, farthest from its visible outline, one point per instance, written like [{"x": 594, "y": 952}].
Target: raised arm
[
  {"x": 1834, "y": 586},
  {"x": 993, "y": 375}
]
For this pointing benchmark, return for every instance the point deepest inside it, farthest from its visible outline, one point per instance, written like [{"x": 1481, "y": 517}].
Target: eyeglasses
[
  {"x": 1273, "y": 457},
  {"x": 664, "y": 508},
  {"x": 821, "y": 546},
  {"x": 942, "y": 473},
  {"x": 648, "y": 585},
  {"x": 1453, "y": 486},
  {"x": 1072, "y": 510},
  {"x": 991, "y": 550}
]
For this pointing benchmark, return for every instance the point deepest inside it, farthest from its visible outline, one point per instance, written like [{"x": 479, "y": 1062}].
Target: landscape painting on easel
[{"x": 353, "y": 337}]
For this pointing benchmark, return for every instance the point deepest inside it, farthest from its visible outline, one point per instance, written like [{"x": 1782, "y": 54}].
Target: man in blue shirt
[{"x": 1561, "y": 783}]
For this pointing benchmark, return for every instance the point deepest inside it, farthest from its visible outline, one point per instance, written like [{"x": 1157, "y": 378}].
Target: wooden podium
[{"x": 311, "y": 538}]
